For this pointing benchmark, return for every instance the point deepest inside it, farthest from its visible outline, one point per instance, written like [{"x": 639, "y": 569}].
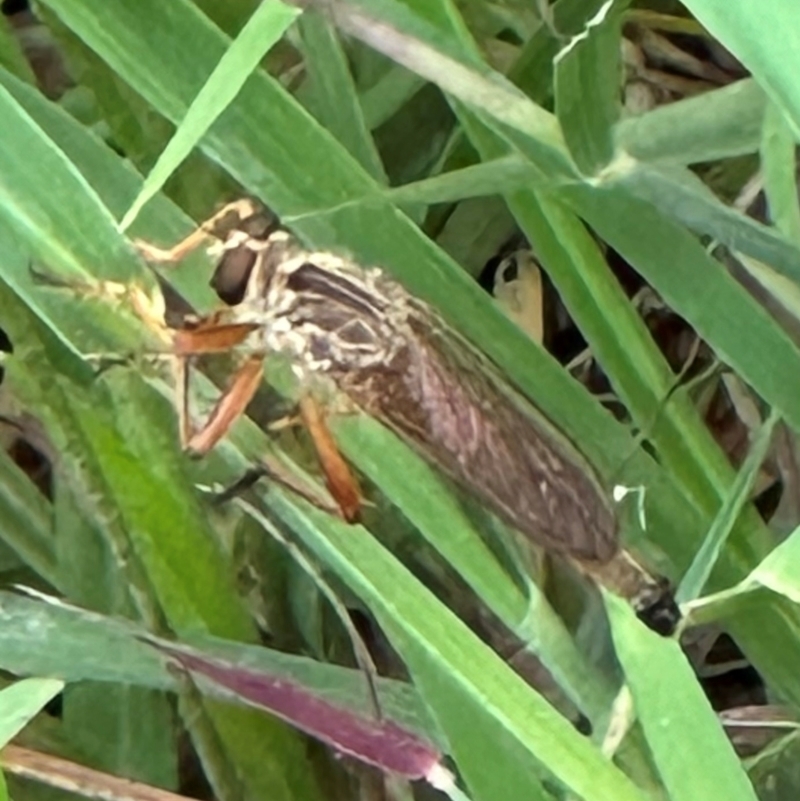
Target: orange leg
[
  {"x": 229, "y": 408},
  {"x": 339, "y": 478},
  {"x": 209, "y": 336}
]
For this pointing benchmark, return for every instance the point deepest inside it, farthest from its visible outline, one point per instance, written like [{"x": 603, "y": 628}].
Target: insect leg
[
  {"x": 274, "y": 471},
  {"x": 339, "y": 477},
  {"x": 229, "y": 407},
  {"x": 210, "y": 336},
  {"x": 148, "y": 307},
  {"x": 216, "y": 227}
]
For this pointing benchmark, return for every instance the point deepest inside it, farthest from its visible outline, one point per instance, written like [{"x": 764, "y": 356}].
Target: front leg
[
  {"x": 219, "y": 227},
  {"x": 241, "y": 231},
  {"x": 149, "y": 308}
]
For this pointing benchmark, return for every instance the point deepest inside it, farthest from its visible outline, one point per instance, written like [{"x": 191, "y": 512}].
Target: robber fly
[{"x": 355, "y": 330}]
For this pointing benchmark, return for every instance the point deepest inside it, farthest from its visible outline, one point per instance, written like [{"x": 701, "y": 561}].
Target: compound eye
[
  {"x": 232, "y": 274},
  {"x": 509, "y": 269}
]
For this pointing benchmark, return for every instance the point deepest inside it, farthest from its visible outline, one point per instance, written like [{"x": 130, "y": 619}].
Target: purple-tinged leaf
[{"x": 382, "y": 743}]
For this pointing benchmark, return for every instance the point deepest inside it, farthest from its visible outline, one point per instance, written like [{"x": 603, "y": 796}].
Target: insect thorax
[{"x": 327, "y": 314}]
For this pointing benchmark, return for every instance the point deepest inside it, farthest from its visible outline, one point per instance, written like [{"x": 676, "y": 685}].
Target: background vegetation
[{"x": 422, "y": 136}]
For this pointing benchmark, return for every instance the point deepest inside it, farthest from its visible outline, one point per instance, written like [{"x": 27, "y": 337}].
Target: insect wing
[{"x": 452, "y": 405}]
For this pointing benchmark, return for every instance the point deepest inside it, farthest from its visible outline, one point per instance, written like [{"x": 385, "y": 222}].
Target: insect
[{"x": 354, "y": 330}]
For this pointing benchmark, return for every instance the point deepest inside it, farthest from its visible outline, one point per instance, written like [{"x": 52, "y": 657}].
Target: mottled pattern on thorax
[{"x": 329, "y": 315}]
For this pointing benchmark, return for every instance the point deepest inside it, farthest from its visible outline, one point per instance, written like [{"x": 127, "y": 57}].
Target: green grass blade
[
  {"x": 333, "y": 97},
  {"x": 508, "y": 722},
  {"x": 586, "y": 88},
  {"x": 764, "y": 38},
  {"x": 21, "y": 701},
  {"x": 693, "y": 283},
  {"x": 778, "y": 572},
  {"x": 266, "y": 26},
  {"x": 79, "y": 646},
  {"x": 719, "y": 124},
  {"x": 485, "y": 91},
  {"x": 680, "y": 195},
  {"x": 674, "y": 712},
  {"x": 503, "y": 174},
  {"x": 698, "y": 573},
  {"x": 416, "y": 489},
  {"x": 26, "y": 520},
  {"x": 777, "y": 161}
]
